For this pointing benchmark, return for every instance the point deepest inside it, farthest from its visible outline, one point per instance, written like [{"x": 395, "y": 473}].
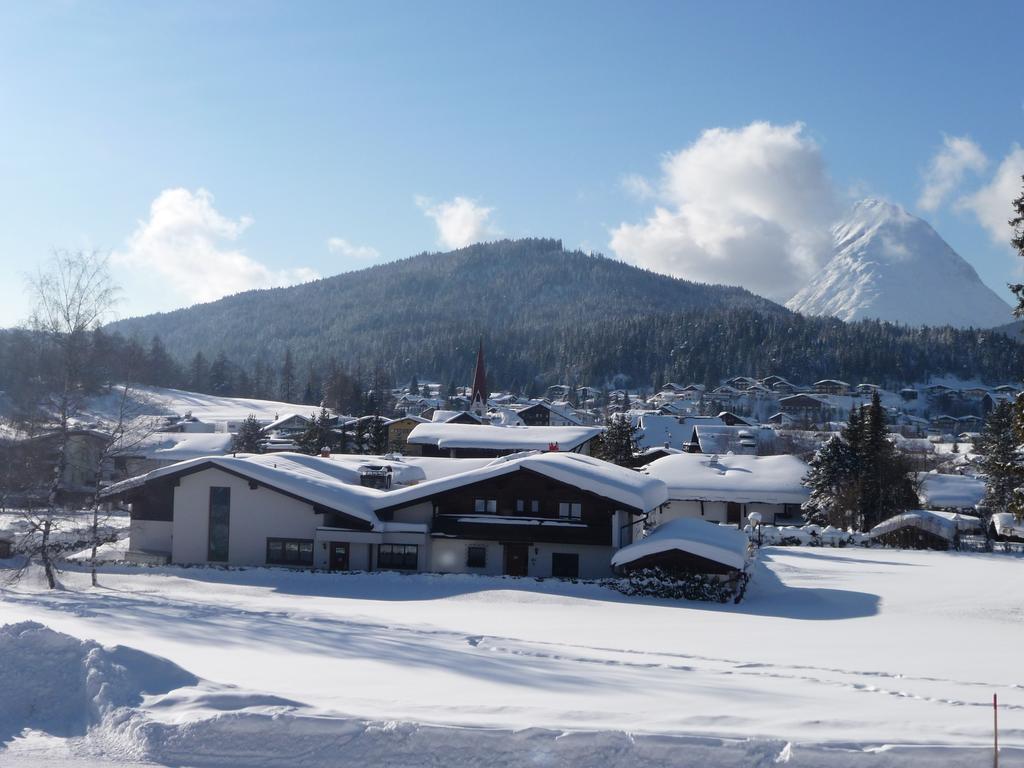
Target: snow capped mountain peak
[{"x": 890, "y": 265}]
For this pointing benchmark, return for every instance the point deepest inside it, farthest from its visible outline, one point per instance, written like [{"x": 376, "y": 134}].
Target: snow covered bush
[{"x": 680, "y": 585}]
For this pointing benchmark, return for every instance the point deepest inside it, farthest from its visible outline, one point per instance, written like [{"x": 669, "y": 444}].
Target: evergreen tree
[
  {"x": 249, "y": 438},
  {"x": 414, "y": 387},
  {"x": 377, "y": 440},
  {"x": 221, "y": 379},
  {"x": 160, "y": 366},
  {"x": 1017, "y": 241},
  {"x": 1000, "y": 459},
  {"x": 618, "y": 443},
  {"x": 199, "y": 374},
  {"x": 859, "y": 479},
  {"x": 318, "y": 435},
  {"x": 832, "y": 479},
  {"x": 361, "y": 436},
  {"x": 288, "y": 377}
]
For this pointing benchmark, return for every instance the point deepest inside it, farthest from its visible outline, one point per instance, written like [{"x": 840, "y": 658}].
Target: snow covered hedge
[{"x": 678, "y": 585}]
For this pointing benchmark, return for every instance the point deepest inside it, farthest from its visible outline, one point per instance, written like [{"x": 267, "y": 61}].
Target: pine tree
[
  {"x": 318, "y": 435},
  {"x": 160, "y": 366},
  {"x": 618, "y": 443},
  {"x": 221, "y": 379},
  {"x": 859, "y": 479},
  {"x": 288, "y": 377},
  {"x": 377, "y": 440},
  {"x": 1000, "y": 459},
  {"x": 832, "y": 479},
  {"x": 1017, "y": 241},
  {"x": 414, "y": 387},
  {"x": 249, "y": 438},
  {"x": 199, "y": 374}
]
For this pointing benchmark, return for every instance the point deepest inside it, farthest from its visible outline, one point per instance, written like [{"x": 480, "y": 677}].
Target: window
[
  {"x": 290, "y": 552},
  {"x": 570, "y": 510},
  {"x": 219, "y": 528},
  {"x": 476, "y": 557},
  {"x": 485, "y": 506},
  {"x": 523, "y": 504},
  {"x": 401, "y": 557},
  {"x": 565, "y": 565}
]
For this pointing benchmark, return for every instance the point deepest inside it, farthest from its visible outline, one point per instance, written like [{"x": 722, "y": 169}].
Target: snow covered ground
[
  {"x": 162, "y": 401},
  {"x": 838, "y": 657}
]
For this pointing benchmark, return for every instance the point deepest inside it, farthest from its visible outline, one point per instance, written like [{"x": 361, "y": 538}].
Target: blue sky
[{"x": 217, "y": 146}]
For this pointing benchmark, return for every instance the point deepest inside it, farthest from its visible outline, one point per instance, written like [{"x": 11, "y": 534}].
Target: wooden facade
[{"x": 524, "y": 506}]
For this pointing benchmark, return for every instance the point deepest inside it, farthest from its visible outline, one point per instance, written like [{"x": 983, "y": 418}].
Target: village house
[
  {"x": 399, "y": 429},
  {"x": 720, "y": 439},
  {"x": 544, "y": 414},
  {"x": 804, "y": 409},
  {"x": 490, "y": 441},
  {"x": 540, "y": 514},
  {"x": 727, "y": 489},
  {"x": 831, "y": 387},
  {"x": 925, "y": 529}
]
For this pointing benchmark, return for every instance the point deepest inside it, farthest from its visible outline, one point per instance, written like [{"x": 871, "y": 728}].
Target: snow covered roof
[
  {"x": 500, "y": 437},
  {"x": 277, "y": 423},
  {"x": 720, "y": 543},
  {"x": 738, "y": 439},
  {"x": 740, "y": 479},
  {"x": 323, "y": 481},
  {"x": 625, "y": 486},
  {"x": 1007, "y": 524},
  {"x": 956, "y": 491},
  {"x": 179, "y": 446},
  {"x": 944, "y": 524},
  {"x": 334, "y": 482}
]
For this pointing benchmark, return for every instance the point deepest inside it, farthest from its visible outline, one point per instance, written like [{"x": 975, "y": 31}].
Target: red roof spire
[{"x": 480, "y": 393}]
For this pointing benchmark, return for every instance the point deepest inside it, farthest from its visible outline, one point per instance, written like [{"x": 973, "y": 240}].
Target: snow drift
[{"x": 63, "y": 686}]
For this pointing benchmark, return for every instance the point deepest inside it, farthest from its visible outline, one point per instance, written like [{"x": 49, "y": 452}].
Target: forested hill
[
  {"x": 554, "y": 315},
  {"x": 431, "y": 309}
]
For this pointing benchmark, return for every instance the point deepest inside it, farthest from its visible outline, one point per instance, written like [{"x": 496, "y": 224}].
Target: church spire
[{"x": 478, "y": 404}]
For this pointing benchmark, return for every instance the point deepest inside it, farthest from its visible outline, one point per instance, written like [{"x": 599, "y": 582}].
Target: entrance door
[
  {"x": 517, "y": 559},
  {"x": 339, "y": 555},
  {"x": 732, "y": 513}
]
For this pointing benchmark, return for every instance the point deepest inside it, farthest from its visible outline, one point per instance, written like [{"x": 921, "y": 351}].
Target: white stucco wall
[
  {"x": 256, "y": 514},
  {"x": 150, "y": 535},
  {"x": 449, "y": 556},
  {"x": 716, "y": 511},
  {"x": 595, "y": 561},
  {"x": 417, "y": 513}
]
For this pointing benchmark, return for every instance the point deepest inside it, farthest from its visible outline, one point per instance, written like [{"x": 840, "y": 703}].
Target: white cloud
[
  {"x": 750, "y": 206},
  {"x": 189, "y": 243},
  {"x": 637, "y": 186},
  {"x": 993, "y": 203},
  {"x": 946, "y": 170},
  {"x": 356, "y": 253},
  {"x": 460, "y": 221}
]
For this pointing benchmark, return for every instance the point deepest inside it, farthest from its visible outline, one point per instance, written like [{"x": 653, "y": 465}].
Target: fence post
[{"x": 995, "y": 731}]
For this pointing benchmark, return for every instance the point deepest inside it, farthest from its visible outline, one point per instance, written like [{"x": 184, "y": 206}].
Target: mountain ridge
[{"x": 550, "y": 315}]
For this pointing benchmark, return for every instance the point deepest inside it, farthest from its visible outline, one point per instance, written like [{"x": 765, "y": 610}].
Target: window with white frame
[{"x": 570, "y": 510}]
